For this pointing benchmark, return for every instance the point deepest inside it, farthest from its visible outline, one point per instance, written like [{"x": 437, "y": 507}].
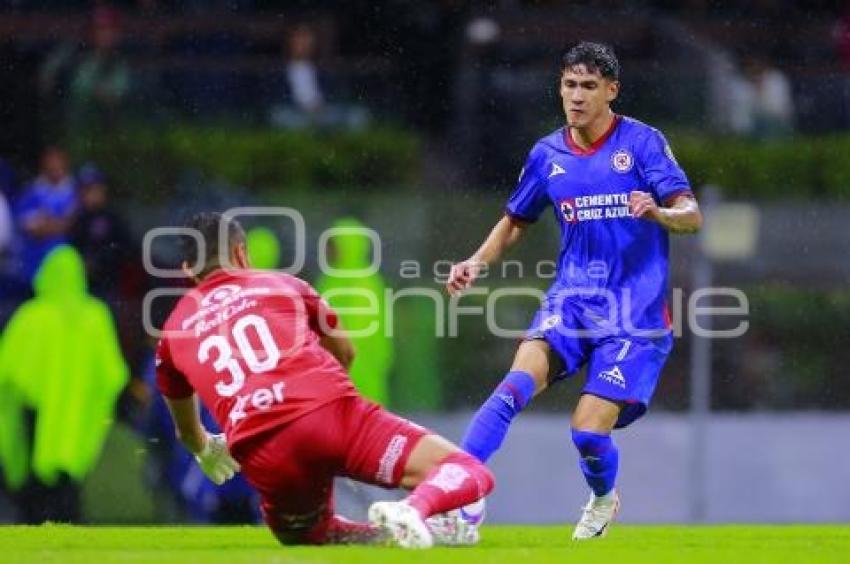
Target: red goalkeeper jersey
[{"x": 248, "y": 343}]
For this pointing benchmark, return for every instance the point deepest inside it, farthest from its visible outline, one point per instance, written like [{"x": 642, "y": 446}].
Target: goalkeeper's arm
[{"x": 210, "y": 450}]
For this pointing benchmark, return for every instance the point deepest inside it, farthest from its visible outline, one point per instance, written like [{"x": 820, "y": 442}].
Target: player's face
[{"x": 586, "y": 96}]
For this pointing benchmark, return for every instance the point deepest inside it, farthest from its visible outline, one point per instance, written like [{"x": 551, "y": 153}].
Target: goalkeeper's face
[{"x": 586, "y": 96}]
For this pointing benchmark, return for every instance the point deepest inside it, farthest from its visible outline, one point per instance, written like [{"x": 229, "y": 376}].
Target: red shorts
[{"x": 293, "y": 468}]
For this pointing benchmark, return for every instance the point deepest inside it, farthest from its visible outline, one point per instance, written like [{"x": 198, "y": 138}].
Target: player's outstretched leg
[
  {"x": 488, "y": 427},
  {"x": 599, "y": 462},
  {"x": 443, "y": 478}
]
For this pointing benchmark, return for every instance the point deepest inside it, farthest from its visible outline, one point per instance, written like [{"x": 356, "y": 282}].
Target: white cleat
[
  {"x": 451, "y": 529},
  {"x": 597, "y": 516},
  {"x": 402, "y": 522}
]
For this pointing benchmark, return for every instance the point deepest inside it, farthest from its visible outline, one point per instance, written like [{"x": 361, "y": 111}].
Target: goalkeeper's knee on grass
[{"x": 334, "y": 529}]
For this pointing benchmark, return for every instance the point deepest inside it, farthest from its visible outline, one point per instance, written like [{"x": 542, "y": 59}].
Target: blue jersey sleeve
[
  {"x": 530, "y": 198},
  {"x": 664, "y": 176},
  {"x": 27, "y": 206}
]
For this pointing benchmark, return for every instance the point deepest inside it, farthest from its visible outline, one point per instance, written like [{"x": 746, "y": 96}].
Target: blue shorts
[{"x": 619, "y": 368}]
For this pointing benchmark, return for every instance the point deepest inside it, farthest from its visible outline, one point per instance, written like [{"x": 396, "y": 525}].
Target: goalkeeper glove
[{"x": 215, "y": 460}]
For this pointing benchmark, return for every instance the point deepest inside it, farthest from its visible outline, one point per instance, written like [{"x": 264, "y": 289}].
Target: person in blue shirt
[
  {"x": 616, "y": 191},
  {"x": 45, "y": 211}
]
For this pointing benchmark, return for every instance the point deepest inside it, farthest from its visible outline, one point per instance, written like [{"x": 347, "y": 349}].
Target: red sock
[{"x": 458, "y": 480}]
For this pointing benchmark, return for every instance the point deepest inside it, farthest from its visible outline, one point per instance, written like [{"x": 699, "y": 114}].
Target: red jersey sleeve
[
  {"x": 322, "y": 316},
  {"x": 170, "y": 381}
]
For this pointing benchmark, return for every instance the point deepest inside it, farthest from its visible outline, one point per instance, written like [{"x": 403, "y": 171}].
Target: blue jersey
[
  {"x": 56, "y": 202},
  {"x": 612, "y": 268}
]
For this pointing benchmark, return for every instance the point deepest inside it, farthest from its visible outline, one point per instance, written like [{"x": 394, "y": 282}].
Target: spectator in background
[
  {"x": 302, "y": 75},
  {"x": 100, "y": 234},
  {"x": 263, "y": 248},
  {"x": 113, "y": 265},
  {"x": 346, "y": 289},
  {"x": 12, "y": 289},
  {"x": 763, "y": 103},
  {"x": 46, "y": 210},
  {"x": 85, "y": 89},
  {"x": 61, "y": 371},
  {"x": 304, "y": 102},
  {"x": 101, "y": 82},
  {"x": 486, "y": 103},
  {"x": 8, "y": 181},
  {"x": 841, "y": 34},
  {"x": 5, "y": 227},
  {"x": 7, "y": 188}
]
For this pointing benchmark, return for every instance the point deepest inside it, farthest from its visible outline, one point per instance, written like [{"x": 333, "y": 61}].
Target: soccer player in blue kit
[{"x": 617, "y": 191}]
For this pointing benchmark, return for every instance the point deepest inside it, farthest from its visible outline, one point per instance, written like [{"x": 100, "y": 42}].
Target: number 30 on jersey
[{"x": 226, "y": 361}]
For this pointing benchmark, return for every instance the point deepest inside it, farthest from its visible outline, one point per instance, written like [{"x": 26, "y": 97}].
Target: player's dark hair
[
  {"x": 209, "y": 226},
  {"x": 596, "y": 57}
]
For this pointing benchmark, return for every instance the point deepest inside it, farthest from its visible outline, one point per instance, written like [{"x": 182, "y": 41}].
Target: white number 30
[{"x": 225, "y": 360}]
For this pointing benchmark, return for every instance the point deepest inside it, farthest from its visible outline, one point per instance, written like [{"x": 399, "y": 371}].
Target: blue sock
[
  {"x": 599, "y": 460},
  {"x": 488, "y": 428}
]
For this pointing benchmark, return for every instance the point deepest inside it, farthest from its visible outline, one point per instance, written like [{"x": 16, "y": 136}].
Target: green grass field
[{"x": 526, "y": 545}]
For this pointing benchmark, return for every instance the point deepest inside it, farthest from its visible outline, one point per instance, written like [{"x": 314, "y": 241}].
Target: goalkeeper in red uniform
[{"x": 265, "y": 354}]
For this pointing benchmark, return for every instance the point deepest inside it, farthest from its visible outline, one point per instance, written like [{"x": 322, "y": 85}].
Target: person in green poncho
[
  {"x": 263, "y": 248},
  {"x": 349, "y": 250},
  {"x": 61, "y": 363}
]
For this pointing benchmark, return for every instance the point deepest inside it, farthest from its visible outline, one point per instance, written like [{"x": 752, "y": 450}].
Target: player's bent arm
[
  {"x": 187, "y": 422},
  {"x": 681, "y": 216},
  {"x": 210, "y": 450},
  {"x": 503, "y": 236}
]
